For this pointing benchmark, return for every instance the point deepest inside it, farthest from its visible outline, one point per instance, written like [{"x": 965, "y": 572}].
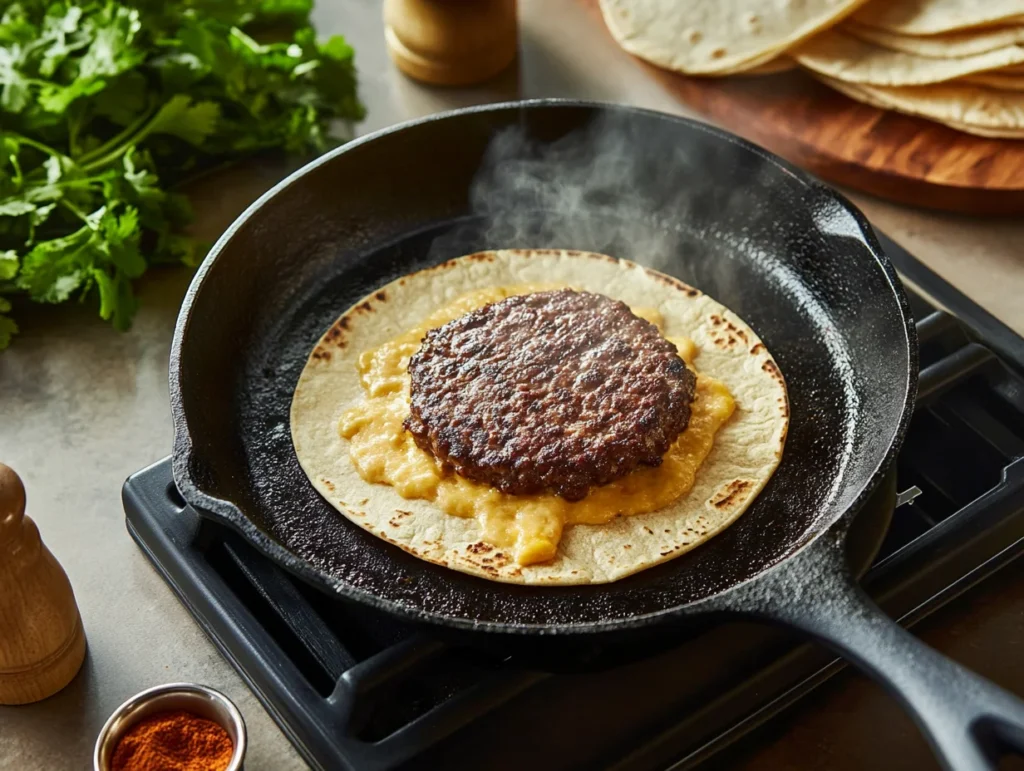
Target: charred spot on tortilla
[
  {"x": 554, "y": 391},
  {"x": 731, "y": 493}
]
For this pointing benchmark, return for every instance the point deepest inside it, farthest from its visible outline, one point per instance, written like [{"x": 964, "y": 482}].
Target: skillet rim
[{"x": 228, "y": 513}]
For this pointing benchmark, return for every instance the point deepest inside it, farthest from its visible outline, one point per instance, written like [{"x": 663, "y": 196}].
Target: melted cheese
[{"x": 383, "y": 452}]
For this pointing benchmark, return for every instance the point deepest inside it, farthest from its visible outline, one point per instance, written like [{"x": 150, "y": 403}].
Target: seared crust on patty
[{"x": 548, "y": 392}]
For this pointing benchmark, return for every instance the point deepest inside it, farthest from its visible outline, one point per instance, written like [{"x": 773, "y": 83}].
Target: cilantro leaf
[
  {"x": 62, "y": 37},
  {"x": 192, "y": 121},
  {"x": 55, "y": 268},
  {"x": 111, "y": 51},
  {"x": 15, "y": 208},
  {"x": 15, "y": 94},
  {"x": 8, "y": 266},
  {"x": 121, "y": 233}
]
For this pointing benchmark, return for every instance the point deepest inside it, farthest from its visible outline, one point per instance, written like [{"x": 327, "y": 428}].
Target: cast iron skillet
[{"x": 790, "y": 256}]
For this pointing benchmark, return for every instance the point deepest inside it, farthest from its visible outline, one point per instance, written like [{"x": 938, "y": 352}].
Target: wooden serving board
[{"x": 892, "y": 156}]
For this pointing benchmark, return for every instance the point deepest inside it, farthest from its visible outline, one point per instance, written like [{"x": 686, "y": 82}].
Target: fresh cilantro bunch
[{"x": 108, "y": 106}]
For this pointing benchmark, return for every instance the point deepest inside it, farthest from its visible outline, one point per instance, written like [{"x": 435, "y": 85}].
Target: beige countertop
[{"x": 82, "y": 407}]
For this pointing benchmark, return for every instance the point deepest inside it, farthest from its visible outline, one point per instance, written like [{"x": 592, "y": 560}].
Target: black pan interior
[{"x": 784, "y": 253}]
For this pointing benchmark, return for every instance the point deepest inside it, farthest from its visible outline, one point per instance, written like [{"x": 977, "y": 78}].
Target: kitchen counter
[{"x": 82, "y": 406}]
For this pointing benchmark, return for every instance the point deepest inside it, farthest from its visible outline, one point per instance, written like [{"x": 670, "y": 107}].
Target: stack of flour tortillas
[{"x": 958, "y": 62}]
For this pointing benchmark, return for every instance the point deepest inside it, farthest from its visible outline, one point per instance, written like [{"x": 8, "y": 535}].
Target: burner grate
[
  {"x": 968, "y": 428},
  {"x": 352, "y": 689}
]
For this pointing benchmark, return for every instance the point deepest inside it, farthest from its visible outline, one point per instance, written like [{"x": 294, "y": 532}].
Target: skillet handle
[{"x": 969, "y": 721}]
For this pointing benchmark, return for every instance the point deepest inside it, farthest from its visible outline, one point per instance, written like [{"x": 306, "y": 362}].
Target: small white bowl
[{"x": 197, "y": 699}]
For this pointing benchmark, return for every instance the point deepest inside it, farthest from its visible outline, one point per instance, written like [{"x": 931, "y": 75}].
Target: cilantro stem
[
  {"x": 73, "y": 138},
  {"x": 87, "y": 182},
  {"x": 113, "y": 155},
  {"x": 74, "y": 127},
  {"x": 19, "y": 177},
  {"x": 74, "y": 210},
  {"x": 37, "y": 145},
  {"x": 87, "y": 161},
  {"x": 247, "y": 41}
]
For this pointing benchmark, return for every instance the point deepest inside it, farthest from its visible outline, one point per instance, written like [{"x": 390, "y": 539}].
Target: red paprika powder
[{"x": 173, "y": 741}]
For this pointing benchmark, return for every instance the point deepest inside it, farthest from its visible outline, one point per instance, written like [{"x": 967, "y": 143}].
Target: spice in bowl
[{"x": 174, "y": 741}]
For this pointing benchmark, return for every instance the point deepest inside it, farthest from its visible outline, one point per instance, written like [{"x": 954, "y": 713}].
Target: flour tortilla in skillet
[{"x": 746, "y": 451}]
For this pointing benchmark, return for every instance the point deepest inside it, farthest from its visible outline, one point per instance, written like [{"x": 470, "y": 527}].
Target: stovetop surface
[{"x": 355, "y": 690}]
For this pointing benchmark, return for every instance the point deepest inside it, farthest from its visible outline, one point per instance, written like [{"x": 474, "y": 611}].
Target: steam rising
[{"x": 601, "y": 188}]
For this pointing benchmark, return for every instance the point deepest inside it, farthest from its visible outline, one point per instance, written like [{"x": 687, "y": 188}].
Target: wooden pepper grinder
[
  {"x": 42, "y": 643},
  {"x": 451, "y": 42}
]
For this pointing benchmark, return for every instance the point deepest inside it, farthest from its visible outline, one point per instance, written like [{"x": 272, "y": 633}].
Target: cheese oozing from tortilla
[{"x": 530, "y": 526}]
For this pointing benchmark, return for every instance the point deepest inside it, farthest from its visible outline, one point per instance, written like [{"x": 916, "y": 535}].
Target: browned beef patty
[{"x": 548, "y": 392}]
